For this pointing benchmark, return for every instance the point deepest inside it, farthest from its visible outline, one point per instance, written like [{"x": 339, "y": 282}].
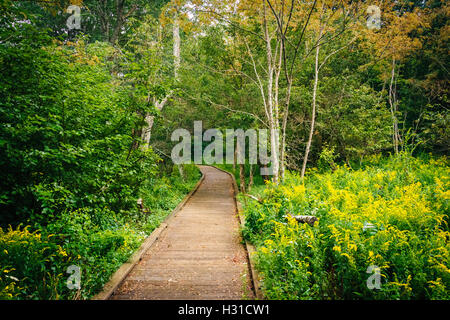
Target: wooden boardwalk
[{"x": 199, "y": 255}]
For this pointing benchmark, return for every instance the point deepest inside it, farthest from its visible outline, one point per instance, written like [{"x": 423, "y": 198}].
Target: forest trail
[{"x": 199, "y": 255}]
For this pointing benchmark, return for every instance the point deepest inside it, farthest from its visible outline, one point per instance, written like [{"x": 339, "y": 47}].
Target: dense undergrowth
[
  {"x": 391, "y": 214},
  {"x": 72, "y": 165},
  {"x": 34, "y": 259}
]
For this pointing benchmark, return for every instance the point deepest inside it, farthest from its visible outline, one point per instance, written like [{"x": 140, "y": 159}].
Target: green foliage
[
  {"x": 31, "y": 265},
  {"x": 327, "y": 158},
  {"x": 69, "y": 166},
  {"x": 34, "y": 264},
  {"x": 66, "y": 132},
  {"x": 392, "y": 213},
  {"x": 71, "y": 115}
]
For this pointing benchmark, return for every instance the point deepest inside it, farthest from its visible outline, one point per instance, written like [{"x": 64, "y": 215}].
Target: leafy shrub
[
  {"x": 34, "y": 264},
  {"x": 30, "y": 264},
  {"x": 392, "y": 214},
  {"x": 70, "y": 167}
]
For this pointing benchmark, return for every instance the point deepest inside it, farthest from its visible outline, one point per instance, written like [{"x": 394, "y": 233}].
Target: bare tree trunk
[
  {"x": 235, "y": 158},
  {"x": 283, "y": 137},
  {"x": 273, "y": 120},
  {"x": 119, "y": 17},
  {"x": 313, "y": 112},
  {"x": 288, "y": 72},
  {"x": 147, "y": 131},
  {"x": 242, "y": 177},
  {"x": 393, "y": 107},
  {"x": 280, "y": 145},
  {"x": 181, "y": 171},
  {"x": 269, "y": 95},
  {"x": 283, "y": 130},
  {"x": 241, "y": 169},
  {"x": 177, "y": 61},
  {"x": 176, "y": 44},
  {"x": 250, "y": 182},
  {"x": 149, "y": 120}
]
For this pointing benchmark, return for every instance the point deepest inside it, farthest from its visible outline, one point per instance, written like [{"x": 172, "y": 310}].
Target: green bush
[
  {"x": 70, "y": 165},
  {"x": 31, "y": 265},
  {"x": 392, "y": 214},
  {"x": 34, "y": 264}
]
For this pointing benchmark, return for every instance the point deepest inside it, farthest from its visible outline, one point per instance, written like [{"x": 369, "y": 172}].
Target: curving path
[{"x": 199, "y": 255}]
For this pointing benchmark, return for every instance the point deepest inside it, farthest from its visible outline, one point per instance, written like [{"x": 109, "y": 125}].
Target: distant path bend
[{"x": 199, "y": 255}]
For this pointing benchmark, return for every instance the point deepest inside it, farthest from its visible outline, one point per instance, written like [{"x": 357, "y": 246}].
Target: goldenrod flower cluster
[{"x": 392, "y": 214}]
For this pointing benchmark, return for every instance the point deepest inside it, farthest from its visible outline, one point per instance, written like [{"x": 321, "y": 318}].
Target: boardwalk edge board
[
  {"x": 117, "y": 278},
  {"x": 255, "y": 278}
]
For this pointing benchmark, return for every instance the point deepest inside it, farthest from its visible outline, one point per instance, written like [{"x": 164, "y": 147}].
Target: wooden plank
[
  {"x": 119, "y": 276},
  {"x": 199, "y": 255},
  {"x": 250, "y": 249}
]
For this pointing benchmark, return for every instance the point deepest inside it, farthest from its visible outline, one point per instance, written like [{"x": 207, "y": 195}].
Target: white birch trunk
[
  {"x": 393, "y": 108},
  {"x": 272, "y": 104},
  {"x": 313, "y": 112},
  {"x": 176, "y": 44}
]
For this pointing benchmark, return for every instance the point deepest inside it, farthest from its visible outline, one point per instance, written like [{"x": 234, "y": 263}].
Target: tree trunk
[
  {"x": 250, "y": 182},
  {"x": 181, "y": 171},
  {"x": 149, "y": 120},
  {"x": 313, "y": 113},
  {"x": 235, "y": 158},
  {"x": 241, "y": 169},
  {"x": 176, "y": 44},
  {"x": 119, "y": 21},
  {"x": 159, "y": 105},
  {"x": 393, "y": 108},
  {"x": 242, "y": 177},
  {"x": 147, "y": 131},
  {"x": 273, "y": 119},
  {"x": 177, "y": 62}
]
